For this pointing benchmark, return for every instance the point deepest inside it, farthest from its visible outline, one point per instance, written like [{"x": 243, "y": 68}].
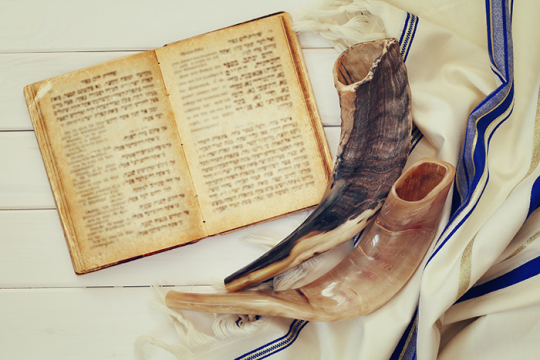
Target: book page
[
  {"x": 124, "y": 187},
  {"x": 245, "y": 123}
]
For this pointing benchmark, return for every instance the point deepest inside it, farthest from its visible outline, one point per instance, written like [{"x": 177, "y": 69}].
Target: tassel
[
  {"x": 191, "y": 338},
  {"x": 225, "y": 327},
  {"x": 263, "y": 241},
  {"x": 228, "y": 326},
  {"x": 344, "y": 23}
]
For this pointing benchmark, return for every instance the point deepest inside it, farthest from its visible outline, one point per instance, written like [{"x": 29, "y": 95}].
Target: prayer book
[{"x": 166, "y": 147}]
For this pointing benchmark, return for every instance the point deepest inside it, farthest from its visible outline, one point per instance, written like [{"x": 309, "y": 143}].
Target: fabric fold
[{"x": 474, "y": 105}]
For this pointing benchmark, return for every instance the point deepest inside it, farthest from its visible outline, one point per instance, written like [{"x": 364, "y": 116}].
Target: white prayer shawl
[{"x": 474, "y": 92}]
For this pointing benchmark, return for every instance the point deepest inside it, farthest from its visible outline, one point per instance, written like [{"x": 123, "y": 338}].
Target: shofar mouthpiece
[
  {"x": 376, "y": 269},
  {"x": 371, "y": 81}
]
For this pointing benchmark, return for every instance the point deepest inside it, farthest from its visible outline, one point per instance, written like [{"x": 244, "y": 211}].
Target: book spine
[{"x": 33, "y": 99}]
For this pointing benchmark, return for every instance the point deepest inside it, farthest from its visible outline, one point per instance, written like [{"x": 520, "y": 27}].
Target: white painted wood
[
  {"x": 82, "y": 323},
  {"x": 34, "y": 253},
  {"x": 46, "y": 311},
  {"x": 19, "y": 70},
  {"x": 23, "y": 180},
  {"x": 332, "y": 136},
  {"x": 102, "y": 25},
  {"x": 320, "y": 63}
]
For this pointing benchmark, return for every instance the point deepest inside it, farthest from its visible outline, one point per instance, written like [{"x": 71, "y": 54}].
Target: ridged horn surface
[
  {"x": 371, "y": 80},
  {"x": 376, "y": 269}
]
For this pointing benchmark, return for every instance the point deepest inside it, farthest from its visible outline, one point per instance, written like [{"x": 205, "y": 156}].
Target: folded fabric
[{"x": 474, "y": 82}]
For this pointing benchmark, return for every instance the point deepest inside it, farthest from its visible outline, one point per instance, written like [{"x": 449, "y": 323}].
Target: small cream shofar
[
  {"x": 376, "y": 269},
  {"x": 372, "y": 84}
]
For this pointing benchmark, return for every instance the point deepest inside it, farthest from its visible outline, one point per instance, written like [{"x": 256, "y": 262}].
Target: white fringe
[
  {"x": 227, "y": 326},
  {"x": 192, "y": 341},
  {"x": 218, "y": 285},
  {"x": 190, "y": 337},
  {"x": 263, "y": 241},
  {"x": 344, "y": 22}
]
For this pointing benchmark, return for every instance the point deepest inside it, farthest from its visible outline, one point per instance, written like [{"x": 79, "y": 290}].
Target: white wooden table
[{"x": 46, "y": 311}]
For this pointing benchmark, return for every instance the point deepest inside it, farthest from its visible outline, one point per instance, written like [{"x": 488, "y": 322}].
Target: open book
[{"x": 166, "y": 147}]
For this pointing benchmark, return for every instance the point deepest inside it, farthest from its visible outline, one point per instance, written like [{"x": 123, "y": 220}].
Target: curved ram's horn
[
  {"x": 377, "y": 268},
  {"x": 372, "y": 84}
]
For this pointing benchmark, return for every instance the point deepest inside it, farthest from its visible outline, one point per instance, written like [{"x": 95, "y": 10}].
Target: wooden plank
[
  {"x": 34, "y": 253},
  {"x": 99, "y": 25},
  {"x": 23, "y": 181},
  {"x": 19, "y": 70},
  {"x": 320, "y": 63},
  {"x": 82, "y": 323},
  {"x": 47, "y": 311}
]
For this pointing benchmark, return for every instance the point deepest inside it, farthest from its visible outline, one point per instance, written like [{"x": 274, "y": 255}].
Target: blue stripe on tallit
[
  {"x": 406, "y": 348},
  {"x": 277, "y": 345},
  {"x": 407, "y": 37},
  {"x": 405, "y": 41},
  {"x": 519, "y": 274},
  {"x": 472, "y": 174},
  {"x": 535, "y": 196},
  {"x": 468, "y": 206},
  {"x": 472, "y": 163},
  {"x": 416, "y": 136}
]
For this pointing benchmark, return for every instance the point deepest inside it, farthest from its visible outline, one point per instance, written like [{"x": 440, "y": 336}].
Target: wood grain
[
  {"x": 34, "y": 250},
  {"x": 21, "y": 69},
  {"x": 62, "y": 25},
  {"x": 47, "y": 311},
  {"x": 23, "y": 181},
  {"x": 81, "y": 323}
]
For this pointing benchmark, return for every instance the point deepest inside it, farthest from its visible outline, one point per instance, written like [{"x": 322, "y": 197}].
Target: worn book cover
[{"x": 166, "y": 147}]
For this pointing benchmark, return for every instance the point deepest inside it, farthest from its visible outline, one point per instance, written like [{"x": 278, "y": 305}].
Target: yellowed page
[
  {"x": 247, "y": 123},
  {"x": 114, "y": 158}
]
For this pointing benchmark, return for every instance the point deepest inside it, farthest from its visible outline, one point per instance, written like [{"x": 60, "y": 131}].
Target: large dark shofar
[
  {"x": 376, "y": 269},
  {"x": 372, "y": 84}
]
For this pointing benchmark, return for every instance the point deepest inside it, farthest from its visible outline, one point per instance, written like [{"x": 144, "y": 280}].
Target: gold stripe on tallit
[
  {"x": 465, "y": 269},
  {"x": 438, "y": 324},
  {"x": 536, "y": 140},
  {"x": 409, "y": 337},
  {"x": 524, "y": 245},
  {"x": 535, "y": 159}
]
